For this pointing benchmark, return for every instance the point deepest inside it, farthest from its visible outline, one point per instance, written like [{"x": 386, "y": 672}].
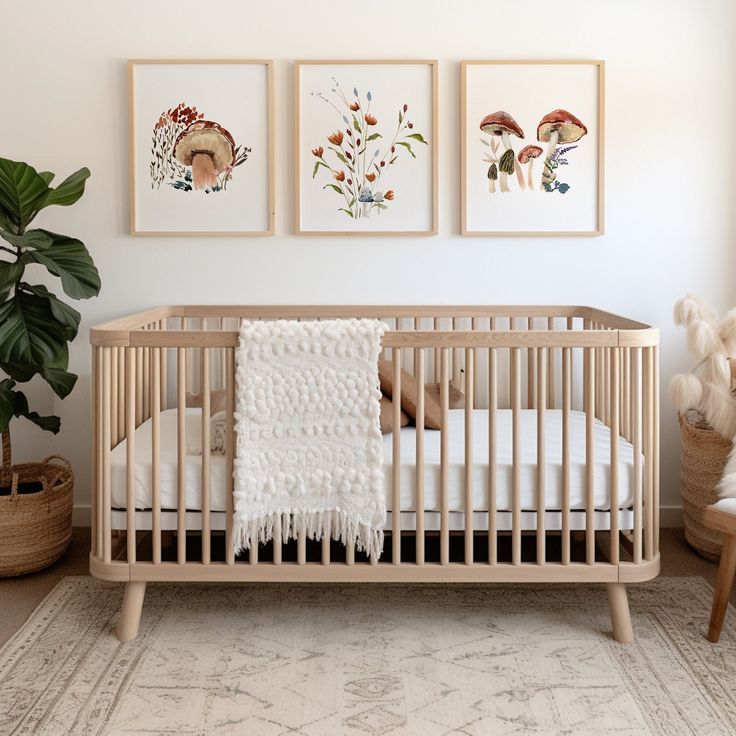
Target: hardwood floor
[{"x": 19, "y": 596}]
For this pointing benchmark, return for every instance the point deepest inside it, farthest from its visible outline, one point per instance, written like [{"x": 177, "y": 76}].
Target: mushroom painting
[
  {"x": 191, "y": 153},
  {"x": 501, "y": 124},
  {"x": 527, "y": 156},
  {"x": 558, "y": 127},
  {"x": 357, "y": 159}
]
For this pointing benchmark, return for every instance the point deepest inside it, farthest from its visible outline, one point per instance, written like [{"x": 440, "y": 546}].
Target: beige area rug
[{"x": 315, "y": 661}]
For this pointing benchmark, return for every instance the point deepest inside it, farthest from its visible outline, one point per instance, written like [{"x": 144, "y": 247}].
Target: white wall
[{"x": 670, "y": 161}]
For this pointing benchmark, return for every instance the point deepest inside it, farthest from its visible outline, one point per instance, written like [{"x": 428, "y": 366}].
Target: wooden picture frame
[
  {"x": 258, "y": 184},
  {"x": 476, "y": 216},
  {"x": 305, "y": 152}
]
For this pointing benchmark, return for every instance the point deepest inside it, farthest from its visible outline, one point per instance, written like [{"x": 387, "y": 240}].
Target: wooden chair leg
[
  {"x": 618, "y": 603},
  {"x": 130, "y": 615},
  {"x": 724, "y": 583}
]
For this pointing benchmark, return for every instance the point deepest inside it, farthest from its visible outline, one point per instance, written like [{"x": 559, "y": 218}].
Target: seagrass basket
[
  {"x": 704, "y": 454},
  {"x": 36, "y": 515}
]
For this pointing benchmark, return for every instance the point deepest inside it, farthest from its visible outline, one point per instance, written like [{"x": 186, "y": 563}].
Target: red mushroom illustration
[
  {"x": 502, "y": 124},
  {"x": 558, "y": 126},
  {"x": 527, "y": 156},
  {"x": 208, "y": 148}
]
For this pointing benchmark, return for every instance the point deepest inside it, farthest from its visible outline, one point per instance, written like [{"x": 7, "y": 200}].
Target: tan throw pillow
[
  {"x": 456, "y": 397},
  {"x": 409, "y": 393},
  {"x": 218, "y": 400},
  {"x": 387, "y": 416}
]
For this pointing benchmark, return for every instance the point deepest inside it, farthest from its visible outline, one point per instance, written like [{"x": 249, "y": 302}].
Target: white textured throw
[
  {"x": 309, "y": 451},
  {"x": 727, "y": 486}
]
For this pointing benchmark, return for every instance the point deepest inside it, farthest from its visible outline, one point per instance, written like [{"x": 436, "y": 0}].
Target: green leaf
[
  {"x": 407, "y": 146},
  {"x": 317, "y": 164},
  {"x": 356, "y": 124},
  {"x": 61, "y": 381},
  {"x": 37, "y": 239},
  {"x": 10, "y": 274},
  {"x": 30, "y": 335},
  {"x": 381, "y": 206},
  {"x": 47, "y": 176},
  {"x": 373, "y": 136},
  {"x": 417, "y": 137},
  {"x": 68, "y": 259},
  {"x": 342, "y": 158},
  {"x": 21, "y": 189},
  {"x": 14, "y": 404},
  {"x": 347, "y": 212},
  {"x": 65, "y": 315},
  {"x": 69, "y": 191},
  {"x": 333, "y": 186}
]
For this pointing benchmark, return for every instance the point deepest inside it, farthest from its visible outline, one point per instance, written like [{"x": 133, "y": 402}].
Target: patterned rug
[{"x": 319, "y": 660}]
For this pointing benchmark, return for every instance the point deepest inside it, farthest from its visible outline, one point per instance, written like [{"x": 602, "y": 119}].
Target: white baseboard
[{"x": 669, "y": 516}]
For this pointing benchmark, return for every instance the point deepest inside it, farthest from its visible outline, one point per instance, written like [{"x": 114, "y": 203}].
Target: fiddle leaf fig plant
[{"x": 36, "y": 326}]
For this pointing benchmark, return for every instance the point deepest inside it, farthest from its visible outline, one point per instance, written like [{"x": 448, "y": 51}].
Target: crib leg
[
  {"x": 618, "y": 604},
  {"x": 130, "y": 615}
]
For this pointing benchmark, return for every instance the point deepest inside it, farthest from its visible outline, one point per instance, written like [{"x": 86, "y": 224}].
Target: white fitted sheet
[{"x": 432, "y": 473}]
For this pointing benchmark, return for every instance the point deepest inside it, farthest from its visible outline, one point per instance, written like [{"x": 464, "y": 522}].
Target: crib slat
[
  {"x": 350, "y": 553},
  {"x": 444, "y": 459},
  {"x": 230, "y": 413},
  {"x": 419, "y": 458},
  {"x": 455, "y": 353},
  {"x": 627, "y": 394},
  {"x": 155, "y": 403},
  {"x": 146, "y": 383},
  {"x": 589, "y": 387},
  {"x": 181, "y": 454},
  {"x": 655, "y": 448},
  {"x": 96, "y": 445},
  {"x": 436, "y": 326},
  {"x": 396, "y": 460},
  {"x": 648, "y": 465},
  {"x": 492, "y": 488},
  {"x": 614, "y": 424},
  {"x": 566, "y": 402},
  {"x": 637, "y": 432},
  {"x": 206, "y": 442},
  {"x": 114, "y": 395},
  {"x": 326, "y": 549},
  {"x": 531, "y": 354},
  {"x": 140, "y": 388},
  {"x": 516, "y": 457},
  {"x": 130, "y": 380},
  {"x": 542, "y": 361},
  {"x": 550, "y": 369},
  {"x": 106, "y": 439},
  {"x": 469, "y": 394}
]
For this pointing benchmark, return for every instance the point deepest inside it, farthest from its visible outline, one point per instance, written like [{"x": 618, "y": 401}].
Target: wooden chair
[{"x": 722, "y": 517}]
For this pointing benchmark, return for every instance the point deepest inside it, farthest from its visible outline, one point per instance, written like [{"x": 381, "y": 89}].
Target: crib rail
[{"x": 552, "y": 360}]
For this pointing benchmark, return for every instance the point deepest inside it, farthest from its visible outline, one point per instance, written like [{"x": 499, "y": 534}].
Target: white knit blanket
[{"x": 309, "y": 452}]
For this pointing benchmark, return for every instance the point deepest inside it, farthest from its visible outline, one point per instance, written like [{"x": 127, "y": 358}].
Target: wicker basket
[
  {"x": 36, "y": 527},
  {"x": 704, "y": 454}
]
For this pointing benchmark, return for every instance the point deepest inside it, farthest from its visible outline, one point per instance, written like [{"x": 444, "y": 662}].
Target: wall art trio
[{"x": 366, "y": 147}]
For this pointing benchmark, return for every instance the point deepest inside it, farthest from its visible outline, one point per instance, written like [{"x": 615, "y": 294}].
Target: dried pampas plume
[
  {"x": 727, "y": 332},
  {"x": 718, "y": 370},
  {"x": 686, "y": 311},
  {"x": 702, "y": 339},
  {"x": 718, "y": 407},
  {"x": 686, "y": 391}
]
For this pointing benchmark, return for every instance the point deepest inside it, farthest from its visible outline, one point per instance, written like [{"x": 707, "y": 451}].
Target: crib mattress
[{"x": 432, "y": 470}]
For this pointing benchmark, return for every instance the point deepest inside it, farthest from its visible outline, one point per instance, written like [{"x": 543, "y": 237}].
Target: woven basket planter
[
  {"x": 35, "y": 526},
  {"x": 704, "y": 455}
]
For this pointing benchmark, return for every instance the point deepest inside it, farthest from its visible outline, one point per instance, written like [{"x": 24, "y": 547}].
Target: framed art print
[
  {"x": 532, "y": 147},
  {"x": 366, "y": 147},
  {"x": 201, "y": 147}
]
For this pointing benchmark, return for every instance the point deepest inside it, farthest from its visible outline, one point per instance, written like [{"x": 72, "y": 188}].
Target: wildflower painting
[
  {"x": 532, "y": 148},
  {"x": 202, "y": 158},
  {"x": 366, "y": 156}
]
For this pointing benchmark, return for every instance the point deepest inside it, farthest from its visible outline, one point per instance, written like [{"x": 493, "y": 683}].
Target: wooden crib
[{"x": 552, "y": 475}]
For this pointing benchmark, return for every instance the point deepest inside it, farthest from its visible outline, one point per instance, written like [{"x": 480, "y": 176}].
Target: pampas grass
[
  {"x": 707, "y": 389},
  {"x": 685, "y": 391}
]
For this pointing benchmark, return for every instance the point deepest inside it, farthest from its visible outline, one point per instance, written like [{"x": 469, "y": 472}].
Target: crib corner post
[
  {"x": 618, "y": 604},
  {"x": 130, "y": 614}
]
